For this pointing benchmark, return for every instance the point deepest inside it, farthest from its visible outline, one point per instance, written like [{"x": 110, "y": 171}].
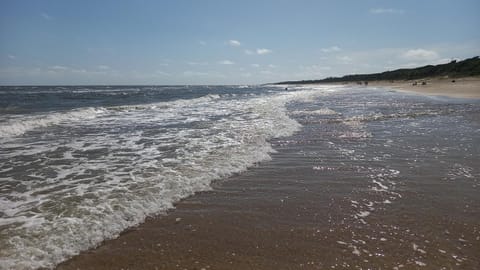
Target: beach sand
[
  {"x": 468, "y": 87},
  {"x": 312, "y": 208}
]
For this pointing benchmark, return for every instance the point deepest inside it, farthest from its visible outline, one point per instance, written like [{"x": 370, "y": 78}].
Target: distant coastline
[
  {"x": 455, "y": 69},
  {"x": 455, "y": 79}
]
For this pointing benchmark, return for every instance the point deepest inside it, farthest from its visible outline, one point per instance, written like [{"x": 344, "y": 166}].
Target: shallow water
[
  {"x": 407, "y": 168},
  {"x": 73, "y": 176}
]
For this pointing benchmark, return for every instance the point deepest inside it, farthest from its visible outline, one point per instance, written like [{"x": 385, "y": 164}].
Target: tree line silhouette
[{"x": 454, "y": 69}]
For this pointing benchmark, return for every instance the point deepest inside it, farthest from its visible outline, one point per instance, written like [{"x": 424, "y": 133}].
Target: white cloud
[
  {"x": 260, "y": 51},
  {"x": 162, "y": 73},
  {"x": 312, "y": 72},
  {"x": 99, "y": 70},
  {"x": 46, "y": 16},
  {"x": 103, "y": 67},
  {"x": 82, "y": 70},
  {"x": 194, "y": 73},
  {"x": 59, "y": 68},
  {"x": 272, "y": 66},
  {"x": 234, "y": 43},
  {"x": 420, "y": 54},
  {"x": 197, "y": 63},
  {"x": 11, "y": 56},
  {"x": 331, "y": 49},
  {"x": 315, "y": 68},
  {"x": 263, "y": 51},
  {"x": 255, "y": 65},
  {"x": 345, "y": 59},
  {"x": 386, "y": 11},
  {"x": 420, "y": 63},
  {"x": 226, "y": 62}
]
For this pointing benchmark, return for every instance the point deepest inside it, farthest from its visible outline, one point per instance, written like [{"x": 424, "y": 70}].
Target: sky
[{"x": 167, "y": 42}]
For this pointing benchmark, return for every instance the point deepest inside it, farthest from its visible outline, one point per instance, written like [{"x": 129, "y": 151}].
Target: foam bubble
[
  {"x": 420, "y": 263},
  {"x": 96, "y": 176},
  {"x": 363, "y": 214},
  {"x": 322, "y": 111},
  {"x": 18, "y": 125}
]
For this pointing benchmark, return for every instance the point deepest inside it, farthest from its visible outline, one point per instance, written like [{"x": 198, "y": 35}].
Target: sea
[{"x": 81, "y": 164}]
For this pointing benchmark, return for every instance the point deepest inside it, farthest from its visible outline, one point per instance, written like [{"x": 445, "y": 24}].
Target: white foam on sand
[
  {"x": 419, "y": 263},
  {"x": 112, "y": 167},
  {"x": 363, "y": 214}
]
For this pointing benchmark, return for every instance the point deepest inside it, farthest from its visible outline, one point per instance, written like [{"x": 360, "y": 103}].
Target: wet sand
[
  {"x": 468, "y": 87},
  {"x": 283, "y": 228},
  {"x": 324, "y": 202}
]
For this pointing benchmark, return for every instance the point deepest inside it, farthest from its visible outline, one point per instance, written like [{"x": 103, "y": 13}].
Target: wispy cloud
[
  {"x": 59, "y": 68},
  {"x": 420, "y": 54},
  {"x": 46, "y": 16},
  {"x": 260, "y": 51},
  {"x": 162, "y": 73},
  {"x": 203, "y": 43},
  {"x": 192, "y": 63},
  {"x": 255, "y": 65},
  {"x": 331, "y": 49},
  {"x": 190, "y": 73},
  {"x": 345, "y": 59},
  {"x": 226, "y": 62},
  {"x": 386, "y": 11},
  {"x": 234, "y": 43},
  {"x": 312, "y": 71},
  {"x": 11, "y": 56},
  {"x": 315, "y": 68},
  {"x": 263, "y": 51},
  {"x": 103, "y": 67}
]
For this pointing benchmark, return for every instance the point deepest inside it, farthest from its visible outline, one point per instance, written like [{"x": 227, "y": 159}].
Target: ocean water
[{"x": 79, "y": 165}]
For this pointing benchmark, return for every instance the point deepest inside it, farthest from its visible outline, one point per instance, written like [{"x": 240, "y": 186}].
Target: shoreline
[
  {"x": 467, "y": 87},
  {"x": 464, "y": 87},
  {"x": 331, "y": 197}
]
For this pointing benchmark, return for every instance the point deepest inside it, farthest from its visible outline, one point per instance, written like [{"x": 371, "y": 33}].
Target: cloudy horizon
[{"x": 214, "y": 42}]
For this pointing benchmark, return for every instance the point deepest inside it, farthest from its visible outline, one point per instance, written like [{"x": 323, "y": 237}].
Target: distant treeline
[{"x": 454, "y": 69}]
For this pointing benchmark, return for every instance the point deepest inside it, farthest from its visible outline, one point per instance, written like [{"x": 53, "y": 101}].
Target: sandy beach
[
  {"x": 468, "y": 87},
  {"x": 342, "y": 193},
  {"x": 236, "y": 135}
]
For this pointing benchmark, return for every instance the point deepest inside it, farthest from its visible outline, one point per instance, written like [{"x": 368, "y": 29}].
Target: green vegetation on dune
[{"x": 454, "y": 69}]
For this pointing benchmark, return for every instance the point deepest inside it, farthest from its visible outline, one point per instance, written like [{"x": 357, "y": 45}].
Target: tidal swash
[{"x": 79, "y": 165}]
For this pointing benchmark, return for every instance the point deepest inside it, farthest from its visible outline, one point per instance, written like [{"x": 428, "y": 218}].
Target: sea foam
[
  {"x": 107, "y": 169},
  {"x": 20, "y": 124}
]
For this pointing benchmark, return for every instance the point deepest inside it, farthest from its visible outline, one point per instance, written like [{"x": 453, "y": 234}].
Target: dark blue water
[{"x": 28, "y": 99}]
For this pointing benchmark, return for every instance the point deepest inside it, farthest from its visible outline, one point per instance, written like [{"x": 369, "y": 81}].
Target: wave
[
  {"x": 130, "y": 166},
  {"x": 18, "y": 125},
  {"x": 322, "y": 111}
]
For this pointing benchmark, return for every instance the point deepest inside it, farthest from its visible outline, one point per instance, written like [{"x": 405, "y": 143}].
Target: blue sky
[{"x": 227, "y": 42}]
